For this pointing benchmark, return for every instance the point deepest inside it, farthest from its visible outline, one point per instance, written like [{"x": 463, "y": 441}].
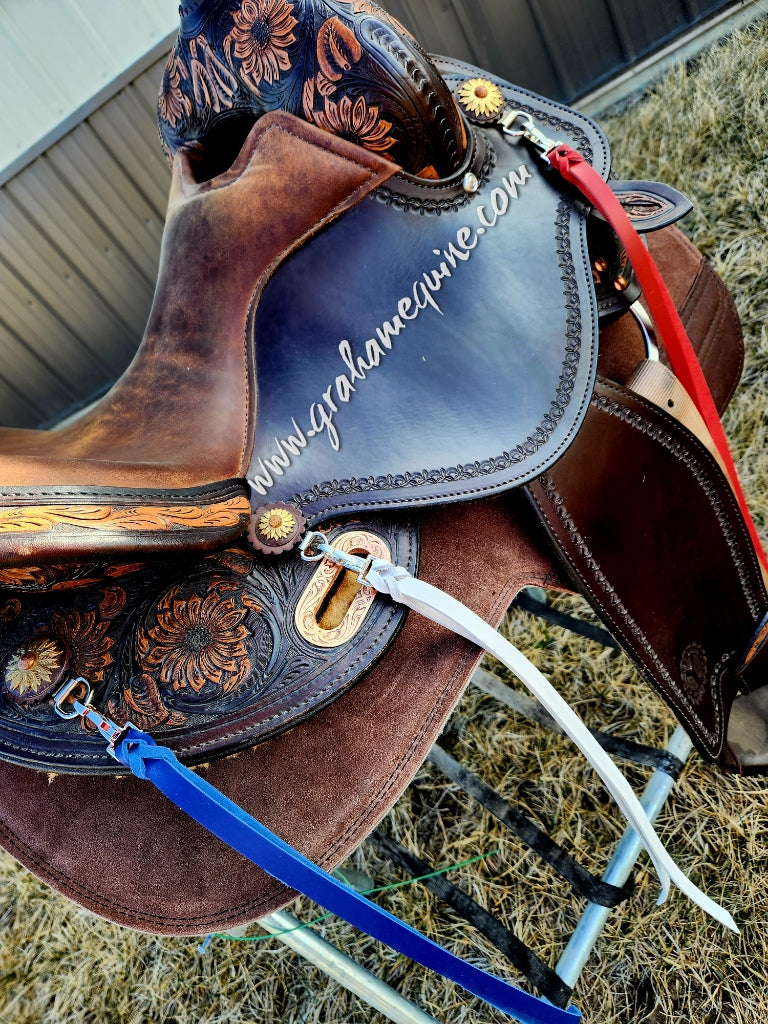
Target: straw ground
[{"x": 705, "y": 131}]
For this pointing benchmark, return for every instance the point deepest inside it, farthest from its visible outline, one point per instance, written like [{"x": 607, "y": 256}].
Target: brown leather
[
  {"x": 182, "y": 415},
  {"x": 347, "y": 67},
  {"x": 706, "y": 308},
  {"x": 651, "y": 531},
  {"x": 322, "y": 786},
  {"x": 209, "y": 655}
]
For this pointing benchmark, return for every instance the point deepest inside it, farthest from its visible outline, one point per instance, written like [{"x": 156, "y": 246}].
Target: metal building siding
[
  {"x": 56, "y": 55},
  {"x": 561, "y": 48},
  {"x": 80, "y": 232},
  {"x": 80, "y": 226}
]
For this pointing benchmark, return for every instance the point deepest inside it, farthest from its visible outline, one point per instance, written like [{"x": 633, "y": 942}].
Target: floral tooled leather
[
  {"x": 347, "y": 67},
  {"x": 204, "y": 653}
]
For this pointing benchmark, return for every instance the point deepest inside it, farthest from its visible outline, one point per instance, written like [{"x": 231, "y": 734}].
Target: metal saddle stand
[{"x": 602, "y": 895}]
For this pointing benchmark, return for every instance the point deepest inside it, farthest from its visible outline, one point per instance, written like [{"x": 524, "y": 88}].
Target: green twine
[{"x": 368, "y": 892}]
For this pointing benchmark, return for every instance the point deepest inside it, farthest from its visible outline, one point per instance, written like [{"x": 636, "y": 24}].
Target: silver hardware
[
  {"x": 315, "y": 547},
  {"x": 355, "y": 603},
  {"x": 647, "y": 328},
  {"x": 518, "y": 124},
  {"x": 470, "y": 184},
  {"x": 82, "y": 708},
  {"x": 308, "y": 553},
  {"x": 65, "y": 694}
]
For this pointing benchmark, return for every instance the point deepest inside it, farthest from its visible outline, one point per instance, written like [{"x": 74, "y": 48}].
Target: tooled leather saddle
[
  {"x": 381, "y": 315},
  {"x": 307, "y": 363}
]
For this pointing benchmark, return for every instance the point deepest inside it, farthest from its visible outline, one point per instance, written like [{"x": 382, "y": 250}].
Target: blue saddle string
[{"x": 218, "y": 814}]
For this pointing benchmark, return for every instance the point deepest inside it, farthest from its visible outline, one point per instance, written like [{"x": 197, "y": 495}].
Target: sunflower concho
[
  {"x": 481, "y": 100},
  {"x": 276, "y": 528},
  {"x": 35, "y": 669}
]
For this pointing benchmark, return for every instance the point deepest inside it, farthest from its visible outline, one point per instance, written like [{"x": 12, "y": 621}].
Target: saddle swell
[
  {"x": 139, "y": 475},
  {"x": 348, "y": 67}
]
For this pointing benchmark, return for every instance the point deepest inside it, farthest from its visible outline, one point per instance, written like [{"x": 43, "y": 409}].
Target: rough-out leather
[
  {"x": 322, "y": 786},
  {"x": 332, "y": 777},
  {"x": 706, "y": 309},
  {"x": 235, "y": 336}
]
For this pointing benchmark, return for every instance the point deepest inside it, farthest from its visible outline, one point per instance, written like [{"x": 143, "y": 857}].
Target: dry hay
[{"x": 704, "y": 131}]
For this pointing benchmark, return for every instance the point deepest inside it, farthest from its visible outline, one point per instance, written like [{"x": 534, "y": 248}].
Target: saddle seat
[{"x": 160, "y": 461}]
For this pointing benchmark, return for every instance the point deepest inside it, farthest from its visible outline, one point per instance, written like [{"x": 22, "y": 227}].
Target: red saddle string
[{"x": 575, "y": 169}]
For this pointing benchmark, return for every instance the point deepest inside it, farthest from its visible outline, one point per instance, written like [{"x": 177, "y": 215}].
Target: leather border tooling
[
  {"x": 138, "y": 518},
  {"x": 534, "y": 442},
  {"x": 631, "y": 631},
  {"x": 725, "y": 519},
  {"x": 427, "y": 200},
  {"x": 457, "y": 72},
  {"x": 202, "y": 651}
]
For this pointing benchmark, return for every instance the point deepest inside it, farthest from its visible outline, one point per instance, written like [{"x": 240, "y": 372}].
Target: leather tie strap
[
  {"x": 576, "y": 170},
  {"x": 225, "y": 819},
  {"x": 440, "y": 607},
  {"x": 149, "y": 761}
]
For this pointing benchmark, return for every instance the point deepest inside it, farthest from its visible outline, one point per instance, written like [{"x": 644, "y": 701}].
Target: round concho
[
  {"x": 481, "y": 100},
  {"x": 276, "y": 528},
  {"x": 35, "y": 669}
]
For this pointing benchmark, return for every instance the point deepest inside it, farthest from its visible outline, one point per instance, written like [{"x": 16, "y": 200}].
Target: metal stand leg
[
  {"x": 343, "y": 969},
  {"x": 593, "y": 919}
]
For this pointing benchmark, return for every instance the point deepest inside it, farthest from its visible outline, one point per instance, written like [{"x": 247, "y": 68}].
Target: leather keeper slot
[
  {"x": 334, "y": 604},
  {"x": 338, "y": 600}
]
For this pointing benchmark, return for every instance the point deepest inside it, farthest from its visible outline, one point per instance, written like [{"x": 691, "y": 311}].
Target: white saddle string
[{"x": 438, "y": 606}]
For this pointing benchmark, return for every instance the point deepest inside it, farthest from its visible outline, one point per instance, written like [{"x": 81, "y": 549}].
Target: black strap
[
  {"x": 531, "y": 709},
  {"x": 661, "y": 760},
  {"x": 539, "y": 974},
  {"x": 582, "y": 881},
  {"x": 528, "y": 603}
]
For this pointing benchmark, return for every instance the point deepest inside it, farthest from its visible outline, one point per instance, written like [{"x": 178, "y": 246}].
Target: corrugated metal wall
[
  {"x": 80, "y": 235},
  {"x": 59, "y": 56},
  {"x": 560, "y": 48}
]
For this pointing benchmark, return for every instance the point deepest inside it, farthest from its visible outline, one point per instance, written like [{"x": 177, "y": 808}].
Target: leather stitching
[
  {"x": 567, "y": 261},
  {"x": 134, "y": 495},
  {"x": 690, "y": 453},
  {"x": 628, "y": 629}
]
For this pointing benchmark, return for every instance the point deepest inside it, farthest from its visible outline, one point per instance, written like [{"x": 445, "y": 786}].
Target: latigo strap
[{"x": 575, "y": 169}]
